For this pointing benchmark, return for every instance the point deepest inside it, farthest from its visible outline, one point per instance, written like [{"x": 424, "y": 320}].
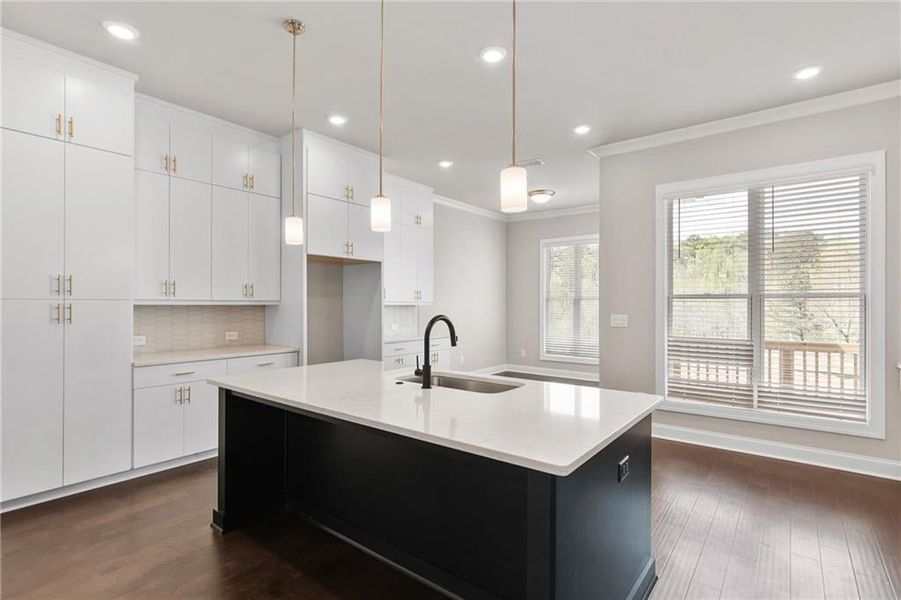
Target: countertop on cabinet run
[
  {"x": 219, "y": 353},
  {"x": 549, "y": 427}
]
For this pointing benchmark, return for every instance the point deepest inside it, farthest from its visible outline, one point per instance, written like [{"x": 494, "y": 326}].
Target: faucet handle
[{"x": 418, "y": 371}]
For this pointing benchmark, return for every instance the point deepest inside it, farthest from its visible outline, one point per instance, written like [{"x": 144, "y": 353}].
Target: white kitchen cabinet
[
  {"x": 190, "y": 153},
  {"x": 190, "y": 239},
  {"x": 97, "y": 432},
  {"x": 424, "y": 264},
  {"x": 151, "y": 144},
  {"x": 264, "y": 362},
  {"x": 32, "y": 392},
  {"x": 100, "y": 116},
  {"x": 201, "y": 429},
  {"x": 158, "y": 425},
  {"x": 326, "y": 226},
  {"x": 151, "y": 230},
  {"x": 265, "y": 171},
  {"x": 34, "y": 97},
  {"x": 366, "y": 244},
  {"x": 338, "y": 171},
  {"x": 245, "y": 167},
  {"x": 230, "y": 253},
  {"x": 99, "y": 224},
  {"x": 33, "y": 186},
  {"x": 411, "y": 202},
  {"x": 264, "y": 247},
  {"x": 408, "y": 266}
]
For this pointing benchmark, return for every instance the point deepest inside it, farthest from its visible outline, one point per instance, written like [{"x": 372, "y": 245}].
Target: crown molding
[
  {"x": 470, "y": 208},
  {"x": 873, "y": 93},
  {"x": 553, "y": 213}
]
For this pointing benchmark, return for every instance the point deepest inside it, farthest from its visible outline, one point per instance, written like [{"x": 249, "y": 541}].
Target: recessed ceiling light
[
  {"x": 337, "y": 120},
  {"x": 492, "y": 54},
  {"x": 581, "y": 129},
  {"x": 445, "y": 164},
  {"x": 541, "y": 196},
  {"x": 808, "y": 72},
  {"x": 123, "y": 31}
]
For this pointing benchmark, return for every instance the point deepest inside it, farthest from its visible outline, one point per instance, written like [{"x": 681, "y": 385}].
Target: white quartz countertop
[
  {"x": 223, "y": 352},
  {"x": 549, "y": 427}
]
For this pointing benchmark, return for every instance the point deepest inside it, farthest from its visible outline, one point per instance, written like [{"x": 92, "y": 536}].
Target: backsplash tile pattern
[
  {"x": 175, "y": 328},
  {"x": 400, "y": 323}
]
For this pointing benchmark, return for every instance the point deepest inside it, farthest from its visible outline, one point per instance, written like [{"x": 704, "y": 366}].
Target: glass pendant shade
[
  {"x": 380, "y": 214},
  {"x": 514, "y": 190},
  {"x": 293, "y": 231}
]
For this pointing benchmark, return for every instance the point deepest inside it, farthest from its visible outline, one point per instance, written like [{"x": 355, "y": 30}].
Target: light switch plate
[
  {"x": 231, "y": 336},
  {"x": 617, "y": 320},
  {"x": 139, "y": 340}
]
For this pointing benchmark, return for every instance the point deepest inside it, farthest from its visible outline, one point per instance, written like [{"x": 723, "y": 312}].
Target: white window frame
[
  {"x": 542, "y": 246},
  {"x": 872, "y": 163}
]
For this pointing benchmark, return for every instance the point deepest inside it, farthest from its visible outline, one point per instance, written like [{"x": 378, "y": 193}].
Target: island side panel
[
  {"x": 251, "y": 461},
  {"x": 603, "y": 525}
]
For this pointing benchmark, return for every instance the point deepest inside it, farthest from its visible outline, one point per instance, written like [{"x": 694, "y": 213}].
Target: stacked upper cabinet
[
  {"x": 208, "y": 209},
  {"x": 341, "y": 180},
  {"x": 408, "y": 265},
  {"x": 67, "y": 222}
]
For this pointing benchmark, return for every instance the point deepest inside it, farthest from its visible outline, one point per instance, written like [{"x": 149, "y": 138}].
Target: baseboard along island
[{"x": 523, "y": 489}]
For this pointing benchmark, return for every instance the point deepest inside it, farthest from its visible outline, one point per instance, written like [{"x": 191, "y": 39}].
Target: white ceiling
[{"x": 628, "y": 69}]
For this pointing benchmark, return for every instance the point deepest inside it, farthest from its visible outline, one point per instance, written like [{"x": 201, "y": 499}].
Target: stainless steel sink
[{"x": 464, "y": 383}]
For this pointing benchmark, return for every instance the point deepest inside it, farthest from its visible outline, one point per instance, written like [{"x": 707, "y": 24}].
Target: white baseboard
[
  {"x": 842, "y": 461},
  {"x": 583, "y": 375},
  {"x": 77, "y": 488}
]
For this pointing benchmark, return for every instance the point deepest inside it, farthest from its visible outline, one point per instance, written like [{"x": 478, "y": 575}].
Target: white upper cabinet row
[
  {"x": 407, "y": 270},
  {"x": 45, "y": 100},
  {"x": 173, "y": 149},
  {"x": 338, "y": 171}
]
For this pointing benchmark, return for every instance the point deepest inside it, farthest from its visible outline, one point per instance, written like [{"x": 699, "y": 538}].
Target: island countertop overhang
[{"x": 549, "y": 427}]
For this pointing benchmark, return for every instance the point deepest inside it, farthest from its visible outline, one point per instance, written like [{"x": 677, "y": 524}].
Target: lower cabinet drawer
[
  {"x": 178, "y": 373},
  {"x": 265, "y": 362},
  {"x": 407, "y": 361}
]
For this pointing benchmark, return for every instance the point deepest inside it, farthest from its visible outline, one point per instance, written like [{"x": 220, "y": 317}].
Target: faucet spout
[{"x": 426, "y": 370}]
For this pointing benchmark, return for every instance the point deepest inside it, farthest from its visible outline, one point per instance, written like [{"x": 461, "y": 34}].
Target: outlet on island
[{"x": 231, "y": 336}]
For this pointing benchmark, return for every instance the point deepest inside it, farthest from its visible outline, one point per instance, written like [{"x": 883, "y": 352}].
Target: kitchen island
[{"x": 541, "y": 491}]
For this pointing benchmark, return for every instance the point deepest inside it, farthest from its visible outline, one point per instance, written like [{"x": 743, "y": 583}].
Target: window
[
  {"x": 772, "y": 296},
  {"x": 569, "y": 299}
]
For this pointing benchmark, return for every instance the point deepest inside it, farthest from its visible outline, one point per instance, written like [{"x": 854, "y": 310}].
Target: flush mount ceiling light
[
  {"x": 380, "y": 205},
  {"x": 808, "y": 72},
  {"x": 492, "y": 54},
  {"x": 445, "y": 164},
  {"x": 581, "y": 129},
  {"x": 293, "y": 223},
  {"x": 337, "y": 120},
  {"x": 122, "y": 31},
  {"x": 541, "y": 196},
  {"x": 514, "y": 183}
]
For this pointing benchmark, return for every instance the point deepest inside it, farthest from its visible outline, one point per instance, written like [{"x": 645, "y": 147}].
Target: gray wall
[
  {"x": 325, "y": 312},
  {"x": 627, "y": 197},
  {"x": 470, "y": 285},
  {"x": 524, "y": 284}
]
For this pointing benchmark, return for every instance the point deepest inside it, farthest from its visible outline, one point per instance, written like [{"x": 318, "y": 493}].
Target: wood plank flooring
[{"x": 726, "y": 525}]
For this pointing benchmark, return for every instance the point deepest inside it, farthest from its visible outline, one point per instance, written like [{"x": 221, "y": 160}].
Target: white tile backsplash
[
  {"x": 400, "y": 323},
  {"x": 176, "y": 328}
]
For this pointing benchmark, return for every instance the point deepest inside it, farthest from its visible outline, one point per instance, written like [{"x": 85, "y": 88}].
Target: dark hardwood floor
[{"x": 726, "y": 525}]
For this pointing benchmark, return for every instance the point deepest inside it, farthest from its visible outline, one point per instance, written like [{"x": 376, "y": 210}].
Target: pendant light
[
  {"x": 514, "y": 187},
  {"x": 293, "y": 223},
  {"x": 380, "y": 205}
]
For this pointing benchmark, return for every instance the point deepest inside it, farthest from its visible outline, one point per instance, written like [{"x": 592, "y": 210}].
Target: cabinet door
[
  {"x": 32, "y": 391},
  {"x": 367, "y": 244},
  {"x": 326, "y": 226},
  {"x": 326, "y": 168},
  {"x": 99, "y": 223},
  {"x": 158, "y": 425},
  {"x": 425, "y": 208},
  {"x": 32, "y": 215},
  {"x": 201, "y": 417},
  {"x": 424, "y": 263},
  {"x": 100, "y": 116},
  {"x": 191, "y": 154},
  {"x": 33, "y": 98},
  {"x": 229, "y": 244},
  {"x": 363, "y": 176},
  {"x": 403, "y": 203},
  {"x": 407, "y": 281},
  {"x": 151, "y": 228},
  {"x": 229, "y": 163},
  {"x": 151, "y": 144},
  {"x": 97, "y": 389},
  {"x": 264, "y": 253},
  {"x": 392, "y": 265},
  {"x": 190, "y": 238},
  {"x": 265, "y": 168}
]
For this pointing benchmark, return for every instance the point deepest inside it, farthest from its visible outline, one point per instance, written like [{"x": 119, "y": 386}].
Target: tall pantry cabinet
[{"x": 67, "y": 213}]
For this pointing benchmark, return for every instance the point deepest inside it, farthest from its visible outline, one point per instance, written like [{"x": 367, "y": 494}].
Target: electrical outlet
[
  {"x": 619, "y": 320},
  {"x": 461, "y": 359},
  {"x": 393, "y": 326},
  {"x": 623, "y": 469},
  {"x": 139, "y": 340},
  {"x": 522, "y": 353},
  {"x": 231, "y": 336}
]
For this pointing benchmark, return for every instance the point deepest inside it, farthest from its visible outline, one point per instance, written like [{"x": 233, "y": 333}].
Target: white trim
[
  {"x": 564, "y": 373},
  {"x": 470, "y": 208},
  {"x": 874, "y": 163},
  {"x": 843, "y": 461},
  {"x": 67, "y": 54},
  {"x": 874, "y": 93},
  {"x": 85, "y": 486},
  {"x": 554, "y": 213}
]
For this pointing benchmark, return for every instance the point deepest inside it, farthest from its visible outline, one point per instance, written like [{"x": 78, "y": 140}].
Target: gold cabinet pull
[
  {"x": 175, "y": 165},
  {"x": 173, "y": 288},
  {"x": 251, "y": 180},
  {"x": 183, "y": 373},
  {"x": 251, "y": 290},
  {"x": 188, "y": 394},
  {"x": 179, "y": 391},
  {"x": 266, "y": 364},
  {"x": 59, "y": 124},
  {"x": 70, "y": 285},
  {"x": 71, "y": 127},
  {"x": 245, "y": 180},
  {"x": 70, "y": 313},
  {"x": 58, "y": 318},
  {"x": 166, "y": 163},
  {"x": 58, "y": 286}
]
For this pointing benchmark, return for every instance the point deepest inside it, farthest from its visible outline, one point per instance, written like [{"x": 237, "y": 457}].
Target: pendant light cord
[
  {"x": 513, "y": 152},
  {"x": 293, "y": 123},
  {"x": 381, "y": 94}
]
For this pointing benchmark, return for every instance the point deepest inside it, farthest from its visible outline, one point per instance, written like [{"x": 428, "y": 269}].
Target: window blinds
[
  {"x": 571, "y": 311},
  {"x": 767, "y": 298}
]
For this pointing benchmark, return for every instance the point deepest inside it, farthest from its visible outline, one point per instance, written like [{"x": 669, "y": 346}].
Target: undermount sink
[{"x": 463, "y": 383}]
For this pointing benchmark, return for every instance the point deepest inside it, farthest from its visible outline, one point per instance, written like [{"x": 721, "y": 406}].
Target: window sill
[
  {"x": 568, "y": 359},
  {"x": 867, "y": 430}
]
